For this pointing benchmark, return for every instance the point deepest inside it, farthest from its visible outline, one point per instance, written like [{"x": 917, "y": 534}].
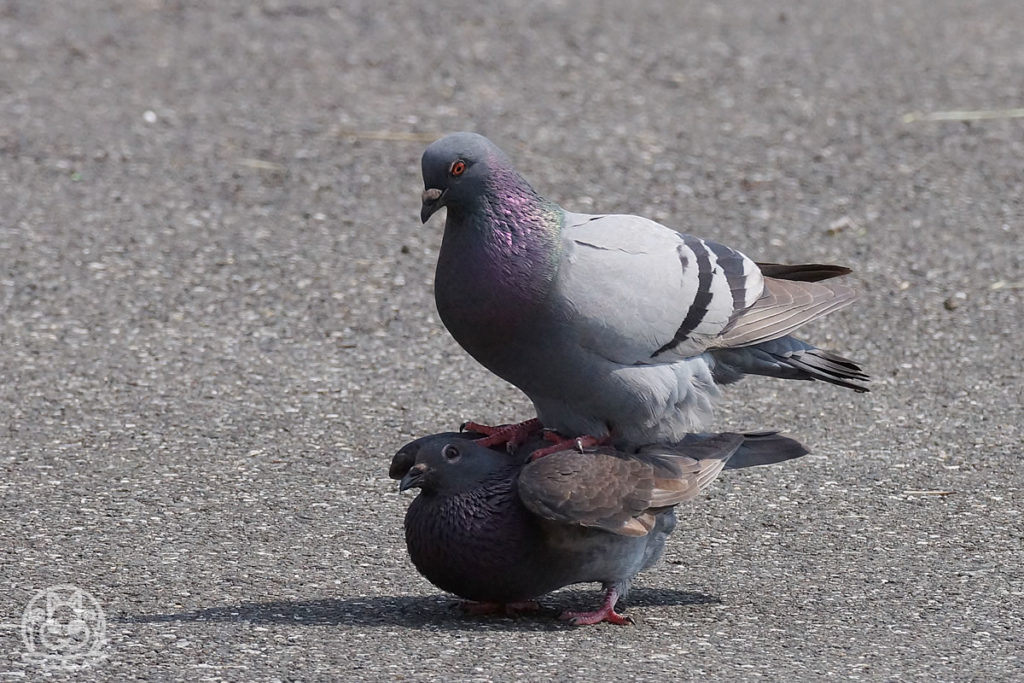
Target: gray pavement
[{"x": 217, "y": 326}]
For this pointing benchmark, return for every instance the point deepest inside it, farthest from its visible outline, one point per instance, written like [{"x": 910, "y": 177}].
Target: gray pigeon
[
  {"x": 501, "y": 530},
  {"x": 616, "y": 327}
]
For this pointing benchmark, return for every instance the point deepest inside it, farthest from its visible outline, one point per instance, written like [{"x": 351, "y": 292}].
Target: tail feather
[
  {"x": 757, "y": 448},
  {"x": 830, "y": 367},
  {"x": 787, "y": 358},
  {"x": 765, "y": 448}
]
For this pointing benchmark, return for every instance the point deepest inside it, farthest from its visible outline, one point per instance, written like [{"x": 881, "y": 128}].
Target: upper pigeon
[{"x": 616, "y": 327}]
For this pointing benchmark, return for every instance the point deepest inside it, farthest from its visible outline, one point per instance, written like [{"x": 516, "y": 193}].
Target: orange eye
[{"x": 458, "y": 167}]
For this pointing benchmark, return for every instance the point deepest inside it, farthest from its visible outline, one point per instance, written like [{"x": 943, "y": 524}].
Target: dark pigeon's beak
[
  {"x": 432, "y": 201},
  {"x": 413, "y": 478}
]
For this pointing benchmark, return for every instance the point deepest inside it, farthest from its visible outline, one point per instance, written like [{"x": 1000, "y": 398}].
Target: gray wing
[
  {"x": 637, "y": 292},
  {"x": 618, "y": 492},
  {"x": 784, "y": 306}
]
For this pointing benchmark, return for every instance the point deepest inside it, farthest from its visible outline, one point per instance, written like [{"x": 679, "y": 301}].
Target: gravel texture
[{"x": 217, "y": 326}]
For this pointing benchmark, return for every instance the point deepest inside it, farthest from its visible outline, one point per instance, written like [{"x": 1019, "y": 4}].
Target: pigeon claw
[
  {"x": 560, "y": 443},
  {"x": 596, "y": 617},
  {"x": 605, "y": 613},
  {"x": 511, "y": 435}
]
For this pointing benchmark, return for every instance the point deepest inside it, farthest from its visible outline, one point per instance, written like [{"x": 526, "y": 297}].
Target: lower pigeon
[{"x": 501, "y": 530}]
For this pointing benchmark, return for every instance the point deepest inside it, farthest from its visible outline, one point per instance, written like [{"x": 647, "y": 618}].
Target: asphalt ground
[{"x": 217, "y": 327}]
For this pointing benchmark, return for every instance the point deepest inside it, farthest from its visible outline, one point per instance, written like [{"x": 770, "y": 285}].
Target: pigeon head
[
  {"x": 452, "y": 466},
  {"x": 460, "y": 169}
]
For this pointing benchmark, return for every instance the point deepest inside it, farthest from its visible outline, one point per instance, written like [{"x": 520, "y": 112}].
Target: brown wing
[{"x": 619, "y": 492}]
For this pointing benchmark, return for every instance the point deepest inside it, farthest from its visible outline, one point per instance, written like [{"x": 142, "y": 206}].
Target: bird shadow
[{"x": 439, "y": 612}]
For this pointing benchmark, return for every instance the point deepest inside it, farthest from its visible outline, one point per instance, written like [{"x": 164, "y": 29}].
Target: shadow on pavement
[{"x": 430, "y": 612}]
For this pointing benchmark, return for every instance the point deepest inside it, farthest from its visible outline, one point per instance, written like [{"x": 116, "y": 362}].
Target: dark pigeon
[
  {"x": 501, "y": 530},
  {"x": 616, "y": 327}
]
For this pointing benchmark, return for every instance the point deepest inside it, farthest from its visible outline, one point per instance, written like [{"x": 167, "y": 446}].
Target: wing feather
[
  {"x": 618, "y": 492},
  {"x": 784, "y": 306},
  {"x": 637, "y": 292}
]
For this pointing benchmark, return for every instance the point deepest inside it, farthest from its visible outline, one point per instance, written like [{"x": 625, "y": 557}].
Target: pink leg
[
  {"x": 512, "y": 435},
  {"x": 510, "y": 609},
  {"x": 605, "y": 613},
  {"x": 563, "y": 444}
]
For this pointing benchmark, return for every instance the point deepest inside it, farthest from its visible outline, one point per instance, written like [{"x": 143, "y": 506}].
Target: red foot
[
  {"x": 512, "y": 435},
  {"x": 606, "y": 613},
  {"x": 509, "y": 609},
  {"x": 561, "y": 443}
]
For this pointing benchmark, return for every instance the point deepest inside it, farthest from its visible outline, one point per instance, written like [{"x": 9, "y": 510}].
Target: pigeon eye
[
  {"x": 450, "y": 452},
  {"x": 458, "y": 168}
]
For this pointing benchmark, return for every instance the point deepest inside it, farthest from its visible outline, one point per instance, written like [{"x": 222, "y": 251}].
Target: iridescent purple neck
[
  {"x": 518, "y": 218},
  {"x": 499, "y": 256}
]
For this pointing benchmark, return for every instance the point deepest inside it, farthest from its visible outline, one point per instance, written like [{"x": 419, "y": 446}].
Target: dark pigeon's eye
[
  {"x": 458, "y": 167},
  {"x": 451, "y": 452}
]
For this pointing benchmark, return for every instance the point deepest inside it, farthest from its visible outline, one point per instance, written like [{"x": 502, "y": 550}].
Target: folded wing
[{"x": 618, "y": 492}]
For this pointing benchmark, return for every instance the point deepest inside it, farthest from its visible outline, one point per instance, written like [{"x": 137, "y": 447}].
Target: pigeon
[
  {"x": 616, "y": 327},
  {"x": 501, "y": 530}
]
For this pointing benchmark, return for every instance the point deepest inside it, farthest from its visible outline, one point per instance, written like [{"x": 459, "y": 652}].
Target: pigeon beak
[
  {"x": 414, "y": 477},
  {"x": 432, "y": 201}
]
